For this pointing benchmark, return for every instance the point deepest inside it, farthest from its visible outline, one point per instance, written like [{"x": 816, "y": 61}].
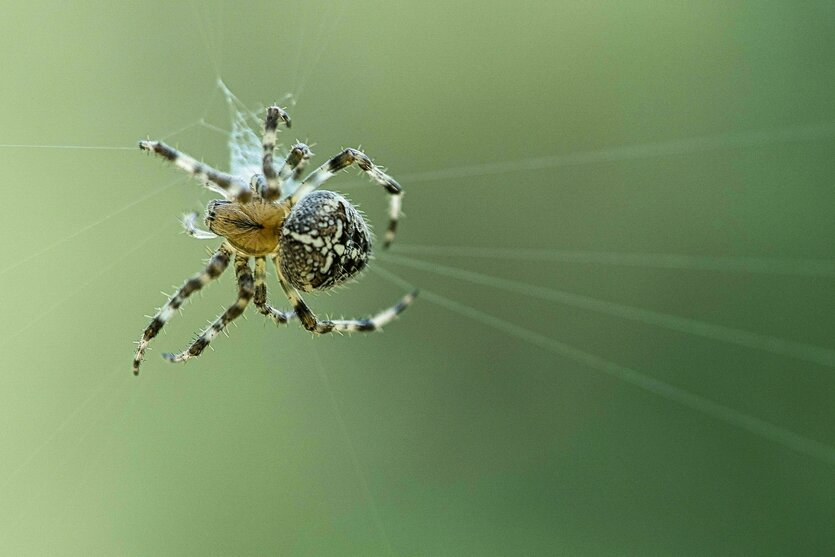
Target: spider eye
[{"x": 324, "y": 242}]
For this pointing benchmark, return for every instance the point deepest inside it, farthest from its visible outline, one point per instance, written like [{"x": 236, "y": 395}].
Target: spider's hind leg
[
  {"x": 217, "y": 264},
  {"x": 246, "y": 290},
  {"x": 315, "y": 325},
  {"x": 344, "y": 160},
  {"x": 260, "y": 301}
]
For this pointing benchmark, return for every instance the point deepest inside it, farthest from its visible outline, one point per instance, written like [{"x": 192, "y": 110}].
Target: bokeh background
[{"x": 621, "y": 217}]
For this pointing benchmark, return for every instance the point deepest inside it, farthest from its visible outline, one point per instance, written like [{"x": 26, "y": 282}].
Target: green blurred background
[{"x": 571, "y": 142}]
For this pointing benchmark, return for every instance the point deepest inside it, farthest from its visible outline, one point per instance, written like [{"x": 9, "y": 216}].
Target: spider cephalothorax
[
  {"x": 252, "y": 228},
  {"x": 316, "y": 239}
]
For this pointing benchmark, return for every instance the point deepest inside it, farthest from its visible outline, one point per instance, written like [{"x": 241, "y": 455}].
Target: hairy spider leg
[
  {"x": 294, "y": 165},
  {"x": 271, "y": 189},
  {"x": 245, "y": 292},
  {"x": 227, "y": 185},
  {"x": 217, "y": 264},
  {"x": 315, "y": 325},
  {"x": 343, "y": 160},
  {"x": 260, "y": 300}
]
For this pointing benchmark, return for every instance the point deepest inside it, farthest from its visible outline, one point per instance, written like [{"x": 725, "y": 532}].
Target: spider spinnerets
[{"x": 315, "y": 238}]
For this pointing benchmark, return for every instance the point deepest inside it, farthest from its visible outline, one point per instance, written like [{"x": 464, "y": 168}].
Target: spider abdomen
[{"x": 324, "y": 242}]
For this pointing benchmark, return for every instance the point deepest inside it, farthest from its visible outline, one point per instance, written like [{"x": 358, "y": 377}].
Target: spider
[{"x": 315, "y": 238}]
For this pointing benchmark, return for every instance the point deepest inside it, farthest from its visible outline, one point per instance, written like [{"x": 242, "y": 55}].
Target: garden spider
[{"x": 316, "y": 239}]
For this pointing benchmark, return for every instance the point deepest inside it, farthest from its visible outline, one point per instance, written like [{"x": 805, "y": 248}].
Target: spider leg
[
  {"x": 260, "y": 300},
  {"x": 245, "y": 292},
  {"x": 294, "y": 165},
  {"x": 343, "y": 160},
  {"x": 189, "y": 220},
  {"x": 271, "y": 189},
  {"x": 231, "y": 187},
  {"x": 315, "y": 325},
  {"x": 217, "y": 264}
]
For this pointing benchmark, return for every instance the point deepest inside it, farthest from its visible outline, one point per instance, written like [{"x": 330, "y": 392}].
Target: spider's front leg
[
  {"x": 345, "y": 159},
  {"x": 229, "y": 186},
  {"x": 294, "y": 165},
  {"x": 246, "y": 290},
  {"x": 217, "y": 264},
  {"x": 315, "y": 325},
  {"x": 271, "y": 190}
]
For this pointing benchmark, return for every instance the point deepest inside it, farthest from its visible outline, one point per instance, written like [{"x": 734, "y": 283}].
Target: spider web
[
  {"x": 244, "y": 143},
  {"x": 244, "y": 151}
]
